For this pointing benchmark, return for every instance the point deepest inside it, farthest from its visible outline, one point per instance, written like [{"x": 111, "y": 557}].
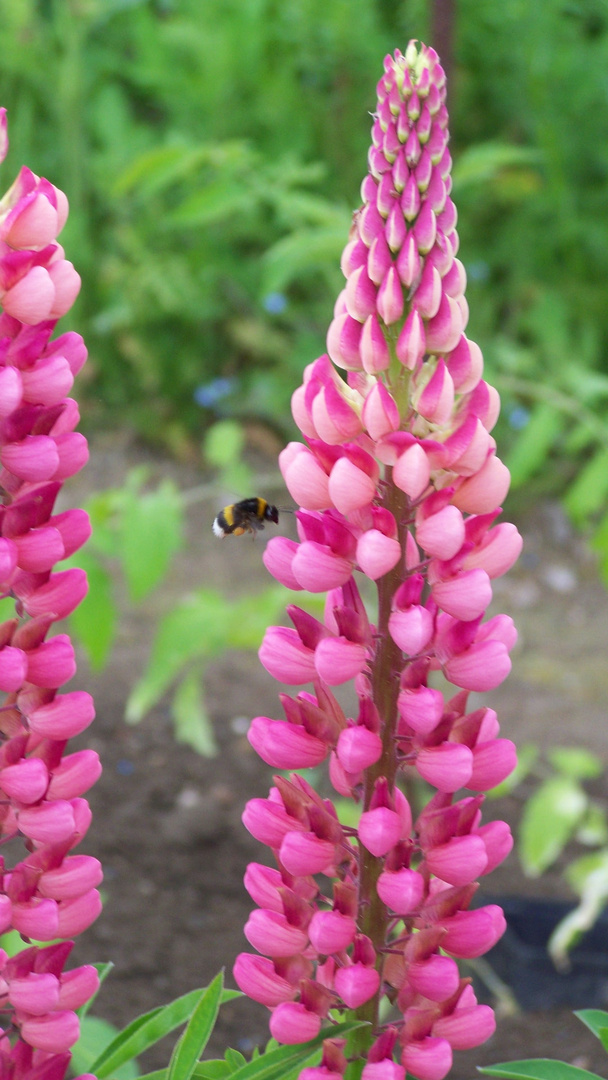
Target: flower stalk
[
  {"x": 47, "y": 893},
  {"x": 398, "y": 481}
]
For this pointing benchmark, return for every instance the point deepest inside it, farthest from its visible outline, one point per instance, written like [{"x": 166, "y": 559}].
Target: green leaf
[
  {"x": 215, "y": 1069},
  {"x": 288, "y": 1061},
  {"x": 549, "y": 819},
  {"x": 480, "y": 162},
  {"x": 93, "y": 623},
  {"x": 301, "y": 252},
  {"x": 151, "y": 534},
  {"x": 576, "y": 762},
  {"x": 534, "y": 443},
  {"x": 593, "y": 829},
  {"x": 234, "y": 1059},
  {"x": 223, "y": 443},
  {"x": 214, "y": 202},
  {"x": 196, "y": 1036},
  {"x": 588, "y": 492},
  {"x": 597, "y": 1022},
  {"x": 192, "y": 724},
  {"x": 538, "y": 1069},
  {"x": 599, "y": 544},
  {"x": 95, "y": 1034},
  {"x": 589, "y": 877},
  {"x": 147, "y": 1030}
]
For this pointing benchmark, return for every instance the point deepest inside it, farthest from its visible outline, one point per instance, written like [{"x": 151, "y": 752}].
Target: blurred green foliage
[{"x": 212, "y": 151}]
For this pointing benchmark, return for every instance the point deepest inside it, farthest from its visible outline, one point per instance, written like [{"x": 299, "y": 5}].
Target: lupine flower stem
[{"x": 399, "y": 481}]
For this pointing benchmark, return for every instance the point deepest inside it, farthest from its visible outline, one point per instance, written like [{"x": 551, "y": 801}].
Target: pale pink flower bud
[
  {"x": 32, "y": 223},
  {"x": 300, "y": 413},
  {"x": 337, "y": 660},
  {"x": 278, "y": 559},
  {"x": 421, "y": 708},
  {"x": 67, "y": 715},
  {"x": 354, "y": 255},
  {"x": 412, "y": 471},
  {"x": 465, "y": 596},
  {"x": 483, "y": 666},
  {"x": 39, "y": 549},
  {"x": 78, "y": 986},
  {"x": 343, "y": 340},
  {"x": 373, "y": 349},
  {"x": 284, "y": 746},
  {"x": 377, "y": 553},
  {"x": 13, "y": 668},
  {"x": 73, "y": 452},
  {"x": 61, "y": 594},
  {"x": 52, "y": 663},
  {"x": 498, "y": 841},
  {"x": 383, "y": 1070},
  {"x": 26, "y": 781},
  {"x": 331, "y": 932},
  {"x": 498, "y": 551},
  {"x": 34, "y": 458},
  {"x": 466, "y": 1028},
  {"x": 37, "y": 919},
  {"x": 461, "y": 860},
  {"x": 48, "y": 382},
  {"x": 48, "y": 823},
  {"x": 256, "y": 976},
  {"x": 76, "y": 875},
  {"x": 317, "y": 569},
  {"x": 408, "y": 261},
  {"x": 427, "y": 296},
  {"x": 268, "y": 821},
  {"x": 442, "y": 534},
  {"x": 11, "y": 390},
  {"x": 270, "y": 933},
  {"x": 74, "y": 775},
  {"x": 291, "y": 1022},
  {"x": 483, "y": 492},
  {"x": 411, "y": 629},
  {"x": 428, "y": 1059},
  {"x": 444, "y": 329},
  {"x": 305, "y": 479},
  {"x": 32, "y": 298},
  {"x": 401, "y": 890},
  {"x": 472, "y": 933},
  {"x": 357, "y": 749},
  {"x": 3, "y": 135},
  {"x": 356, "y": 984},
  {"x": 390, "y": 298},
  {"x": 285, "y": 657},
  {"x": 54, "y": 1033},
  {"x": 447, "y": 766},
  {"x": 379, "y": 830},
  {"x": 465, "y": 364},
  {"x": 436, "y": 977},
  {"x": 66, "y": 283},
  {"x": 411, "y": 343},
  {"x": 380, "y": 413},
  {"x": 436, "y": 402},
  {"x": 493, "y": 761},
  {"x": 360, "y": 295},
  {"x": 303, "y": 853},
  {"x": 34, "y": 993}
]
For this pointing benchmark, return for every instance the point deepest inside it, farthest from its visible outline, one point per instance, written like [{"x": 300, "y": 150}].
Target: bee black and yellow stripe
[{"x": 248, "y": 515}]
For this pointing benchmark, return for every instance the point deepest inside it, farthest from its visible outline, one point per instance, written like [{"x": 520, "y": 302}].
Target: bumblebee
[{"x": 248, "y": 515}]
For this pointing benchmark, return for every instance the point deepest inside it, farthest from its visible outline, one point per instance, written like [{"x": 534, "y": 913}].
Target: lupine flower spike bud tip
[
  {"x": 398, "y": 481},
  {"x": 51, "y": 894}
]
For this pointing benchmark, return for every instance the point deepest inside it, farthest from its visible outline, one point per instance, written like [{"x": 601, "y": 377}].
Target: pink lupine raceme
[
  {"x": 398, "y": 481},
  {"x": 50, "y": 894}
]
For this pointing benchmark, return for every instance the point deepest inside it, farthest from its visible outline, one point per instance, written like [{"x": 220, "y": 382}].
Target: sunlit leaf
[
  {"x": 93, "y": 622},
  {"x": 198, "y": 1032},
  {"x": 538, "y": 1069},
  {"x": 192, "y": 724},
  {"x": 575, "y": 761},
  {"x": 152, "y": 524},
  {"x": 548, "y": 821},
  {"x": 534, "y": 443}
]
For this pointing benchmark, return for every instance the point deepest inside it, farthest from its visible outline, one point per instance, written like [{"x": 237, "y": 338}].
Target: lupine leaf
[
  {"x": 94, "y": 620},
  {"x": 597, "y": 1022},
  {"x": 192, "y": 722},
  {"x": 538, "y": 1069},
  {"x": 196, "y": 1036},
  {"x": 534, "y": 442},
  {"x": 549, "y": 819},
  {"x": 575, "y": 761},
  {"x": 147, "y": 1030},
  {"x": 95, "y": 1034},
  {"x": 213, "y": 1069},
  {"x": 588, "y": 491},
  {"x": 281, "y": 1063},
  {"x": 151, "y": 534},
  {"x": 223, "y": 443}
]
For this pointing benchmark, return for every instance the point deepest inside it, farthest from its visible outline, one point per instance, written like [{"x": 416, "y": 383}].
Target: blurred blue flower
[
  {"x": 208, "y": 394},
  {"x": 519, "y": 417},
  {"x": 478, "y": 271},
  {"x": 274, "y": 303}
]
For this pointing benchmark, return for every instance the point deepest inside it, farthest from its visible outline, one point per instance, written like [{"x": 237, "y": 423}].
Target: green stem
[{"x": 386, "y": 668}]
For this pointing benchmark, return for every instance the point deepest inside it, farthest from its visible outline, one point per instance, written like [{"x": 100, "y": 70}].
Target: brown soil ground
[{"x": 167, "y": 822}]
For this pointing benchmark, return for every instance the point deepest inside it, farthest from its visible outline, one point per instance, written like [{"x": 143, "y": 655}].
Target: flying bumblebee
[{"x": 248, "y": 515}]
